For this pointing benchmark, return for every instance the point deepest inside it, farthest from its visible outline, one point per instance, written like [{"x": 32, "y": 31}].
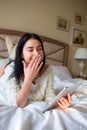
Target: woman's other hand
[{"x": 65, "y": 102}]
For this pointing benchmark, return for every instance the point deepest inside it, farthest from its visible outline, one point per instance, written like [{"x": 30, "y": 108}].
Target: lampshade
[{"x": 81, "y": 53}]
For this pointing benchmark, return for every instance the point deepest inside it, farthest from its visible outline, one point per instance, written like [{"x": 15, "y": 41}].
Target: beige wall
[{"x": 40, "y": 16}]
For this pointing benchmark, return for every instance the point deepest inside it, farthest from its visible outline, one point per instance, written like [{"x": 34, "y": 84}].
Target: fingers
[
  {"x": 33, "y": 67},
  {"x": 35, "y": 62},
  {"x": 61, "y": 106},
  {"x": 65, "y": 102},
  {"x": 40, "y": 66}
]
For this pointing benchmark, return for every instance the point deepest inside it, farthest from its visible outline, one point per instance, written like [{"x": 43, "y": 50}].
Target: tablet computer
[{"x": 62, "y": 93}]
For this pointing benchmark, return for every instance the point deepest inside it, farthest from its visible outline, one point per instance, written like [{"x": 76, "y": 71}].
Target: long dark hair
[{"x": 18, "y": 65}]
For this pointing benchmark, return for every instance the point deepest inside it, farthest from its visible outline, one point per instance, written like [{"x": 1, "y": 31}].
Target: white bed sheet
[{"x": 32, "y": 118}]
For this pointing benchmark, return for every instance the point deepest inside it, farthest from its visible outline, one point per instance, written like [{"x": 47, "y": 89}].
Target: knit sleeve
[
  {"x": 50, "y": 92},
  {"x": 12, "y": 90},
  {"x": 9, "y": 86}
]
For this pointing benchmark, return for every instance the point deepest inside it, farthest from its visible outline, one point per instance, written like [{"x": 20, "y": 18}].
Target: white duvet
[{"x": 32, "y": 118}]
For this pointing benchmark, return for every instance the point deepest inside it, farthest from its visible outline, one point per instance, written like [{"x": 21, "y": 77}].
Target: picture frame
[
  {"x": 79, "y": 37},
  {"x": 62, "y": 23},
  {"x": 79, "y": 19}
]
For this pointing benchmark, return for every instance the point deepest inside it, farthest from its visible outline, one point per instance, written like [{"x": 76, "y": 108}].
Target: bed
[{"x": 31, "y": 117}]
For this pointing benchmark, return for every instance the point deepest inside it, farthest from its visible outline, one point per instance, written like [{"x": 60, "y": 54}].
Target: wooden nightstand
[{"x": 82, "y": 77}]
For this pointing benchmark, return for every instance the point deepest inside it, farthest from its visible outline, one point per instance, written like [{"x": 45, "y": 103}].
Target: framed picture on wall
[
  {"x": 79, "y": 19},
  {"x": 62, "y": 23},
  {"x": 79, "y": 37}
]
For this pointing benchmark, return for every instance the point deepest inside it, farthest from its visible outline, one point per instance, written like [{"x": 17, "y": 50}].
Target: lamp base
[{"x": 81, "y": 67}]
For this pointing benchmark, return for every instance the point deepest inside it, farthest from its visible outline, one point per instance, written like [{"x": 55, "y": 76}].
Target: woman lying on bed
[{"x": 28, "y": 78}]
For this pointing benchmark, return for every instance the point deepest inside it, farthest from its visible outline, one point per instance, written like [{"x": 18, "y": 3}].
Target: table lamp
[{"x": 81, "y": 54}]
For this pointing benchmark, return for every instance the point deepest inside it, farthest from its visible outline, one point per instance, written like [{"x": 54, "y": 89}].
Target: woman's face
[{"x": 31, "y": 49}]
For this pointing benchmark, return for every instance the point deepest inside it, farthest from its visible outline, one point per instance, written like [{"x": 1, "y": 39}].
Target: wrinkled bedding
[{"x": 32, "y": 118}]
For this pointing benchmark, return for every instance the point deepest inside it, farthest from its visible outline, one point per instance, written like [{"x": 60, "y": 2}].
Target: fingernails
[
  {"x": 61, "y": 99},
  {"x": 38, "y": 57}
]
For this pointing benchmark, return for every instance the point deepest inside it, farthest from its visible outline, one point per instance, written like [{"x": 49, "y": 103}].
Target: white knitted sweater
[{"x": 42, "y": 90}]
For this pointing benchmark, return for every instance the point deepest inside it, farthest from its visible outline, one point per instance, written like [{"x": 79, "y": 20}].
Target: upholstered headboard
[{"x": 56, "y": 51}]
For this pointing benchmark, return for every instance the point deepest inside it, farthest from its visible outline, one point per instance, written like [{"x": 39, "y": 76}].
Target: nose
[{"x": 36, "y": 52}]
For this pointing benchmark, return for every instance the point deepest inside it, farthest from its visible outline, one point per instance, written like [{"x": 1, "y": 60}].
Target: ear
[{"x": 10, "y": 47}]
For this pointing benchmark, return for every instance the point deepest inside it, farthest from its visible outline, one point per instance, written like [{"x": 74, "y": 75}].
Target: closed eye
[
  {"x": 29, "y": 49},
  {"x": 39, "y": 48}
]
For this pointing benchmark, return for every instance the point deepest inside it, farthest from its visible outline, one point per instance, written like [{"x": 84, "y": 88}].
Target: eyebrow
[{"x": 30, "y": 47}]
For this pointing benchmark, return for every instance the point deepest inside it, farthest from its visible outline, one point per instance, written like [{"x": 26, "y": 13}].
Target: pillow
[
  {"x": 2, "y": 61},
  {"x": 11, "y": 48},
  {"x": 61, "y": 72}
]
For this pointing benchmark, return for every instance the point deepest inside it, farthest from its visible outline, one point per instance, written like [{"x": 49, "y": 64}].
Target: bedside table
[{"x": 82, "y": 77}]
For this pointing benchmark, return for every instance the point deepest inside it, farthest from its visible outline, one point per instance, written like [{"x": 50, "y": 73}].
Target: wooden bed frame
[{"x": 56, "y": 51}]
